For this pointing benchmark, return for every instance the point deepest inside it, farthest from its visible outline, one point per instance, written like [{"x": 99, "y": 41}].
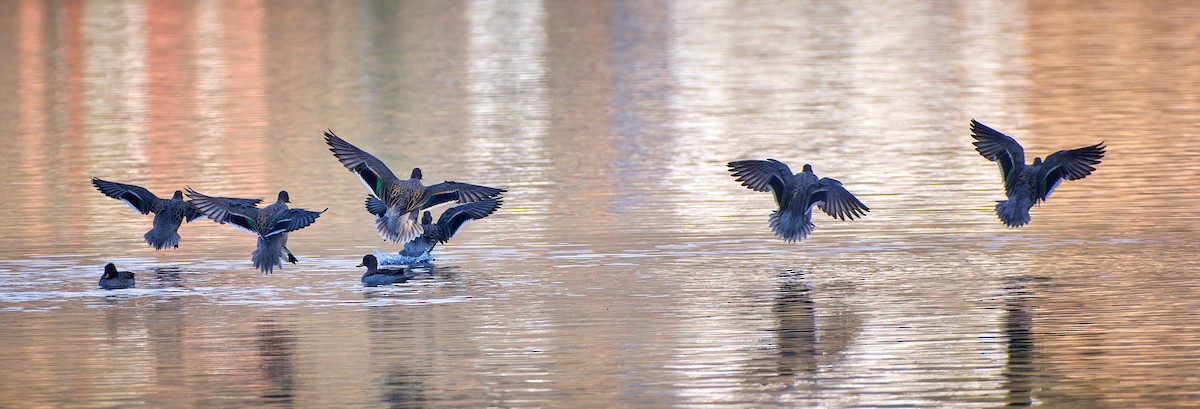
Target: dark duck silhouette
[
  {"x": 375, "y": 276},
  {"x": 1029, "y": 185},
  {"x": 169, "y": 214},
  {"x": 404, "y": 199},
  {"x": 796, "y": 194},
  {"x": 113, "y": 279},
  {"x": 272, "y": 224}
]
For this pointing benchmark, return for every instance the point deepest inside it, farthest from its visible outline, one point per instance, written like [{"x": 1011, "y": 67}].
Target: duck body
[
  {"x": 402, "y": 200},
  {"x": 1029, "y": 185},
  {"x": 113, "y": 279},
  {"x": 271, "y": 224},
  {"x": 796, "y": 194}
]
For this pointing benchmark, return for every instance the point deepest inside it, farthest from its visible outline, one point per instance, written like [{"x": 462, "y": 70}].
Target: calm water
[{"x": 626, "y": 267}]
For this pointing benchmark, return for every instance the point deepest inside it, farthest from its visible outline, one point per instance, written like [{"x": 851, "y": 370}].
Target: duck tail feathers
[
  {"x": 269, "y": 253},
  {"x": 1013, "y": 213},
  {"x": 162, "y": 238},
  {"x": 790, "y": 226}
]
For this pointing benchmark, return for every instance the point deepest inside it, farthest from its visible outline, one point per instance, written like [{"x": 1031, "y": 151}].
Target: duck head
[
  {"x": 283, "y": 197},
  {"x": 1037, "y": 161},
  {"x": 427, "y": 218},
  {"x": 369, "y": 262},
  {"x": 110, "y": 271},
  {"x": 416, "y": 174},
  {"x": 807, "y": 168},
  {"x": 178, "y": 195}
]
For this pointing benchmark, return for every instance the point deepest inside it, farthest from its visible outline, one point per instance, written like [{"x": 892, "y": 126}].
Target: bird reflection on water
[{"x": 810, "y": 334}]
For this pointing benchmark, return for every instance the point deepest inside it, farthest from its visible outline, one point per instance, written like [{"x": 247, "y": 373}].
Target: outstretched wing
[
  {"x": 239, "y": 212},
  {"x": 450, "y": 191},
  {"x": 192, "y": 213},
  {"x": 454, "y": 218},
  {"x": 1067, "y": 164},
  {"x": 370, "y": 170},
  {"x": 835, "y": 200},
  {"x": 136, "y": 197},
  {"x": 764, "y": 176},
  {"x": 294, "y": 219},
  {"x": 999, "y": 148}
]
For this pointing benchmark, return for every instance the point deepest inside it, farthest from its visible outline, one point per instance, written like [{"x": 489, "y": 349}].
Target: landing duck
[
  {"x": 448, "y": 225},
  {"x": 113, "y": 279},
  {"x": 1029, "y": 185},
  {"x": 403, "y": 199},
  {"x": 796, "y": 194},
  {"x": 271, "y": 224},
  {"x": 169, "y": 214}
]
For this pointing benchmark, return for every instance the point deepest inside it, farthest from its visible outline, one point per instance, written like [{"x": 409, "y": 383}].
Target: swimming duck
[
  {"x": 404, "y": 199},
  {"x": 1028, "y": 185},
  {"x": 272, "y": 224},
  {"x": 375, "y": 276},
  {"x": 113, "y": 279},
  {"x": 796, "y": 194},
  {"x": 448, "y": 225},
  {"x": 168, "y": 213}
]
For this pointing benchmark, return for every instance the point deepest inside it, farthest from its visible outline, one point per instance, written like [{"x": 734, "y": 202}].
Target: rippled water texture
[{"x": 626, "y": 267}]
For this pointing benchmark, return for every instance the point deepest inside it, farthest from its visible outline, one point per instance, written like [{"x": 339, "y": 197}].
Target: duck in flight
[
  {"x": 1028, "y": 185},
  {"x": 403, "y": 199},
  {"x": 169, "y": 214},
  {"x": 272, "y": 224},
  {"x": 796, "y": 194}
]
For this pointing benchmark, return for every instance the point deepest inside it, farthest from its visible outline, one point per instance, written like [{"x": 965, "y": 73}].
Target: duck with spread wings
[
  {"x": 404, "y": 199},
  {"x": 272, "y": 224},
  {"x": 796, "y": 194}
]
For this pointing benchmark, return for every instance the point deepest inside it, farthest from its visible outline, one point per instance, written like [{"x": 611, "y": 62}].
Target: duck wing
[
  {"x": 192, "y": 213},
  {"x": 835, "y": 200},
  {"x": 454, "y": 218},
  {"x": 376, "y": 206},
  {"x": 764, "y": 176},
  {"x": 1067, "y": 164},
  {"x": 450, "y": 191},
  {"x": 999, "y": 148},
  {"x": 370, "y": 170},
  {"x": 293, "y": 219},
  {"x": 241, "y": 213},
  {"x": 136, "y": 197}
]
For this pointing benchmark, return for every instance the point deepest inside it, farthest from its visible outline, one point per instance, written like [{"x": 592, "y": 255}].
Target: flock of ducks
[{"x": 401, "y": 215}]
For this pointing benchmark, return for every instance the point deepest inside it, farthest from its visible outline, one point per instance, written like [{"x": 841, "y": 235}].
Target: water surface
[{"x": 626, "y": 267}]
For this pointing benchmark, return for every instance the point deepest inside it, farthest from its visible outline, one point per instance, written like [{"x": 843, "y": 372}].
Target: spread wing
[
  {"x": 999, "y": 148},
  {"x": 241, "y": 213},
  {"x": 192, "y": 213},
  {"x": 136, "y": 197},
  {"x": 764, "y": 176},
  {"x": 1067, "y": 164},
  {"x": 835, "y": 200},
  {"x": 370, "y": 170},
  {"x": 454, "y": 218},
  {"x": 449, "y": 191},
  {"x": 294, "y": 219}
]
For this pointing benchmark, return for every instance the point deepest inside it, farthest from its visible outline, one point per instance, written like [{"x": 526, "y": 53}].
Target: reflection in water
[
  {"x": 1020, "y": 369},
  {"x": 797, "y": 333},
  {"x": 275, "y": 349}
]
